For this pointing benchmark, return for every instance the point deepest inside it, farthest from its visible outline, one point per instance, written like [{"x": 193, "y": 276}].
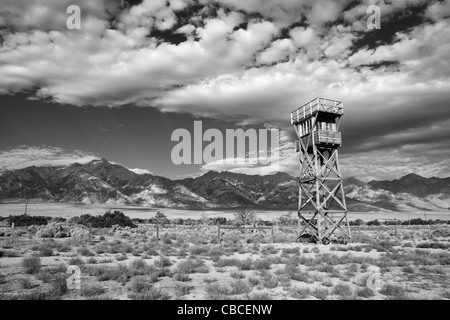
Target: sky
[{"x": 136, "y": 71}]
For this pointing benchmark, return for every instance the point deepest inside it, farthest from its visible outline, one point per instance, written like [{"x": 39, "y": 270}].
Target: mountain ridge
[{"x": 103, "y": 182}]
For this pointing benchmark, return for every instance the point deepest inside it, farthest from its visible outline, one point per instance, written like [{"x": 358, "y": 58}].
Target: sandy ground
[
  {"x": 71, "y": 210},
  {"x": 404, "y": 267}
]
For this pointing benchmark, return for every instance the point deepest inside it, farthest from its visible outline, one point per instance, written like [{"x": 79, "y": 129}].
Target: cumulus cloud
[
  {"x": 246, "y": 61},
  {"x": 24, "y": 156}
]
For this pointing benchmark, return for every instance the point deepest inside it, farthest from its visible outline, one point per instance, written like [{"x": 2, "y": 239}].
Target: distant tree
[
  {"x": 244, "y": 217},
  {"x": 107, "y": 220},
  {"x": 374, "y": 223},
  {"x": 357, "y": 222},
  {"x": 161, "y": 218},
  {"x": 286, "y": 220}
]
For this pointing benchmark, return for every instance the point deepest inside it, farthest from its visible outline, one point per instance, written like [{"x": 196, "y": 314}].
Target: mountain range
[{"x": 102, "y": 182}]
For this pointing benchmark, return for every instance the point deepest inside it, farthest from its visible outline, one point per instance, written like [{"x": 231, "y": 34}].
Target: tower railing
[{"x": 315, "y": 105}]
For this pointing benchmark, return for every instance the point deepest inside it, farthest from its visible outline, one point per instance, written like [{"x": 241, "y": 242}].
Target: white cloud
[
  {"x": 217, "y": 71},
  {"x": 439, "y": 10},
  {"x": 25, "y": 156}
]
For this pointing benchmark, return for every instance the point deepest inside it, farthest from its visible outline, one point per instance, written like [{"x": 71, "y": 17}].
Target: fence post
[
  {"x": 12, "y": 233},
  {"x": 271, "y": 231},
  {"x": 396, "y": 234},
  {"x": 218, "y": 233},
  {"x": 157, "y": 232},
  {"x": 90, "y": 232},
  {"x": 359, "y": 232}
]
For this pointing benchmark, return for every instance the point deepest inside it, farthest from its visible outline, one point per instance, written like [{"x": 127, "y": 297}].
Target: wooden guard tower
[{"x": 322, "y": 210}]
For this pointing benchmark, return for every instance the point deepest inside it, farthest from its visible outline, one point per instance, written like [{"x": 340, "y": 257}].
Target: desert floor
[
  {"x": 189, "y": 263},
  {"x": 65, "y": 210}
]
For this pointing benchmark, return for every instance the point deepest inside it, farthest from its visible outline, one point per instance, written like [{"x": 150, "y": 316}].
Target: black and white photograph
[{"x": 243, "y": 150}]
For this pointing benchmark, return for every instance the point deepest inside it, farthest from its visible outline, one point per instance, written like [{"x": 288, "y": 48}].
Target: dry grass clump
[
  {"x": 342, "y": 290},
  {"x": 31, "y": 265},
  {"x": 300, "y": 293},
  {"x": 142, "y": 289},
  {"x": 92, "y": 290}
]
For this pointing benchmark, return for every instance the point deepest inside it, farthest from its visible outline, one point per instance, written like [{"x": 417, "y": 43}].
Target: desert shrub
[
  {"x": 8, "y": 254},
  {"x": 44, "y": 275},
  {"x": 126, "y": 248},
  {"x": 239, "y": 287},
  {"x": 269, "y": 282},
  {"x": 217, "y": 289},
  {"x": 246, "y": 264},
  {"x": 65, "y": 248},
  {"x": 198, "y": 250},
  {"x": 262, "y": 264},
  {"x": 446, "y": 294},
  {"x": 342, "y": 290},
  {"x": 181, "y": 276},
  {"x": 136, "y": 252},
  {"x": 85, "y": 252},
  {"x": 269, "y": 250},
  {"x": 227, "y": 262},
  {"x": 139, "y": 284},
  {"x": 151, "y": 252},
  {"x": 365, "y": 292},
  {"x": 119, "y": 273},
  {"x": 287, "y": 251},
  {"x": 326, "y": 268},
  {"x": 91, "y": 260},
  {"x": 45, "y": 251},
  {"x": 300, "y": 293},
  {"x": 92, "y": 290},
  {"x": 300, "y": 276},
  {"x": 36, "y": 294},
  {"x": 393, "y": 290},
  {"x": 140, "y": 267},
  {"x": 260, "y": 296},
  {"x": 209, "y": 280},
  {"x": 142, "y": 289},
  {"x": 320, "y": 294},
  {"x": 353, "y": 267},
  {"x": 121, "y": 257},
  {"x": 107, "y": 220},
  {"x": 433, "y": 245},
  {"x": 163, "y": 262},
  {"x": 76, "y": 261},
  {"x": 31, "y": 265},
  {"x": 59, "y": 284},
  {"x": 25, "y": 283},
  {"x": 315, "y": 250},
  {"x": 327, "y": 283},
  {"x": 27, "y": 220},
  {"x": 237, "y": 275},
  {"x": 183, "y": 289},
  {"x": 138, "y": 264},
  {"x": 189, "y": 266},
  {"x": 253, "y": 281},
  {"x": 408, "y": 269}
]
